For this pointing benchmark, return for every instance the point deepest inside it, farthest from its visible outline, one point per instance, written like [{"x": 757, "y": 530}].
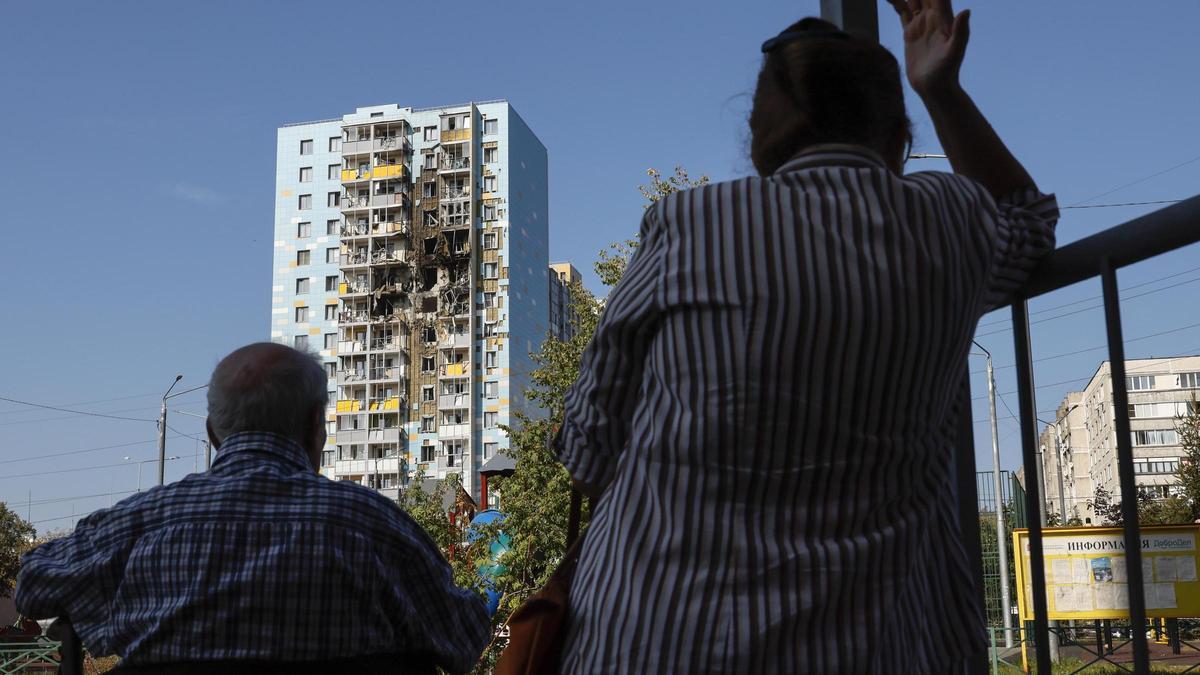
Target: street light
[
  {"x": 139, "y": 466},
  {"x": 207, "y": 444},
  {"x": 162, "y": 426},
  {"x": 1001, "y": 539}
]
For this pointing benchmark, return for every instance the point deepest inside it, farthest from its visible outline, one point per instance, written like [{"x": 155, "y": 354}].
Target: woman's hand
[{"x": 935, "y": 41}]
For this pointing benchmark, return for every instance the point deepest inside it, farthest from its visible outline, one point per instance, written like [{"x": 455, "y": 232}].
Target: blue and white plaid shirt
[{"x": 259, "y": 558}]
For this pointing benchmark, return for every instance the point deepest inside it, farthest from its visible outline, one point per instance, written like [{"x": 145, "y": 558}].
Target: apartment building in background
[
  {"x": 562, "y": 316},
  {"x": 411, "y": 254},
  {"x": 1160, "y": 390}
]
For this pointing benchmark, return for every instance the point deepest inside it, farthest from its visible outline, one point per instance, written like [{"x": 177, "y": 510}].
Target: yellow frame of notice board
[{"x": 1086, "y": 572}]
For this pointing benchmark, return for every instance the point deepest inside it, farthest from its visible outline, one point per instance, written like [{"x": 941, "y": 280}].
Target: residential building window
[
  {"x": 489, "y": 211},
  {"x": 1155, "y": 437},
  {"x": 426, "y": 453},
  {"x": 1140, "y": 382},
  {"x": 334, "y": 172},
  {"x": 489, "y": 329},
  {"x": 489, "y": 299},
  {"x": 427, "y": 424},
  {"x": 306, "y": 147},
  {"x": 489, "y": 420},
  {"x": 429, "y": 334},
  {"x": 1163, "y": 409},
  {"x": 303, "y": 230},
  {"x": 428, "y": 364},
  {"x": 427, "y": 393},
  {"x": 330, "y": 340},
  {"x": 303, "y": 257},
  {"x": 489, "y": 359},
  {"x": 489, "y": 270},
  {"x": 301, "y": 286},
  {"x": 491, "y": 126},
  {"x": 430, "y": 162},
  {"x": 333, "y": 199},
  {"x": 431, "y": 133},
  {"x": 490, "y": 240},
  {"x": 490, "y": 450},
  {"x": 428, "y": 190},
  {"x": 301, "y": 314},
  {"x": 331, "y": 227},
  {"x": 489, "y": 183},
  {"x": 331, "y": 312},
  {"x": 1189, "y": 380},
  {"x": 304, "y": 203},
  {"x": 1156, "y": 466},
  {"x": 490, "y": 155},
  {"x": 326, "y": 457},
  {"x": 335, "y": 143},
  {"x": 331, "y": 255},
  {"x": 306, "y": 174},
  {"x": 491, "y": 389},
  {"x": 300, "y": 342},
  {"x": 331, "y": 283},
  {"x": 331, "y": 369}
]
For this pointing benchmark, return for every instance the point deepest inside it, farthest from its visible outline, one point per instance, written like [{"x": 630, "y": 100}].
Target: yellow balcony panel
[
  {"x": 351, "y": 174},
  {"x": 456, "y": 369},
  {"x": 349, "y": 405},
  {"x": 452, "y": 135},
  {"x": 391, "y": 404},
  {"x": 342, "y": 289},
  {"x": 388, "y": 171}
]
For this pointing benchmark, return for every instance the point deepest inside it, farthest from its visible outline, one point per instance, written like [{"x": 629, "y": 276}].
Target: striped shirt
[
  {"x": 769, "y": 404},
  {"x": 258, "y": 558}
]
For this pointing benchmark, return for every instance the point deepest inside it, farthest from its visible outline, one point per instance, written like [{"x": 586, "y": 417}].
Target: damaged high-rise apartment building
[{"x": 411, "y": 254}]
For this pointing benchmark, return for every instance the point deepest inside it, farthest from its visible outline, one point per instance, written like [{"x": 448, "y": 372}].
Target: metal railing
[{"x": 37, "y": 655}]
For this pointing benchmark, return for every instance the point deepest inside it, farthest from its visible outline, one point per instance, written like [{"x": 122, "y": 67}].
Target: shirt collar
[
  {"x": 833, "y": 154},
  {"x": 263, "y": 442}
]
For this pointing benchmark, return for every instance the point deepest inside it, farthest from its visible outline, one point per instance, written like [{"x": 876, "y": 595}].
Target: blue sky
[{"x": 138, "y": 184}]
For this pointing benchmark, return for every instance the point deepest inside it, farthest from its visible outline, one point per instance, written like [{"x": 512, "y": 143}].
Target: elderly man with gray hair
[{"x": 259, "y": 564}]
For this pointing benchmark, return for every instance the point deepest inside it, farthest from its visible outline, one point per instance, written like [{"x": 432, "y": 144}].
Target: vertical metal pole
[
  {"x": 968, "y": 501},
  {"x": 207, "y": 455},
  {"x": 162, "y": 442},
  {"x": 1029, "y": 445},
  {"x": 857, "y": 17},
  {"x": 1129, "y": 514},
  {"x": 1001, "y": 531},
  {"x": 1062, "y": 499}
]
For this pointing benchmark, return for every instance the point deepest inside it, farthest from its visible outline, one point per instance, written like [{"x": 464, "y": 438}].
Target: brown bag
[{"x": 537, "y": 628}]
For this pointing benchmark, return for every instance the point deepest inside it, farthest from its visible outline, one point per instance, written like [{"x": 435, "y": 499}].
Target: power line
[
  {"x": 75, "y": 412},
  {"x": 1088, "y": 309},
  {"x": 77, "y": 452},
  {"x": 67, "y": 417},
  {"x": 1140, "y": 180},
  {"x": 77, "y": 498},
  {"x": 82, "y": 468},
  {"x": 101, "y": 400},
  {"x": 1093, "y": 298},
  {"x": 1092, "y": 349},
  {"x": 1080, "y": 379},
  {"x": 1109, "y": 206}
]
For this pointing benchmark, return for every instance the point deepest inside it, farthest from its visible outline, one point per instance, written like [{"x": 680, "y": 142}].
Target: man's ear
[{"x": 212, "y": 436}]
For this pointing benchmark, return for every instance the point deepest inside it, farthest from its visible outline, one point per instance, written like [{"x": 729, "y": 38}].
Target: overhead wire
[
  {"x": 74, "y": 412},
  {"x": 81, "y": 468},
  {"x": 100, "y": 400}
]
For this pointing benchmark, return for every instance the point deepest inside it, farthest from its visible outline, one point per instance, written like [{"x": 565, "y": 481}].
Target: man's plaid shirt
[{"x": 259, "y": 558}]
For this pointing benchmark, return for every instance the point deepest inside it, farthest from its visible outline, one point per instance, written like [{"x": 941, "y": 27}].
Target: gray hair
[{"x": 266, "y": 387}]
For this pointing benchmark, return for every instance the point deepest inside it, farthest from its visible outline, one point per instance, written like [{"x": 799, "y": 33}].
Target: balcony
[
  {"x": 352, "y": 259},
  {"x": 356, "y": 175},
  {"x": 351, "y": 405},
  {"x": 454, "y": 164},
  {"x": 354, "y": 316},
  {"x": 358, "y": 147},
  {"x": 390, "y": 404},
  {"x": 389, "y": 373},
  {"x": 455, "y": 370},
  {"x": 384, "y": 435},
  {"x": 348, "y": 288},
  {"x": 352, "y": 347},
  {"x": 384, "y": 344},
  {"x": 392, "y": 199},
  {"x": 451, "y": 193},
  {"x": 449, "y": 431},
  {"x": 454, "y": 401},
  {"x": 387, "y": 143},
  {"x": 456, "y": 341},
  {"x": 388, "y": 256},
  {"x": 391, "y": 227},
  {"x": 354, "y": 202},
  {"x": 388, "y": 171},
  {"x": 351, "y": 377},
  {"x": 455, "y": 135},
  {"x": 355, "y": 230}
]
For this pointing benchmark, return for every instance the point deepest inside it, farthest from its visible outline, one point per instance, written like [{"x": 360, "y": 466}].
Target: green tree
[
  {"x": 16, "y": 535},
  {"x": 1188, "y": 473},
  {"x": 1172, "y": 510}
]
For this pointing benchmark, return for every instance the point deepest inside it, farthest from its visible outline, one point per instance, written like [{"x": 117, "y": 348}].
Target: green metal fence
[{"x": 29, "y": 657}]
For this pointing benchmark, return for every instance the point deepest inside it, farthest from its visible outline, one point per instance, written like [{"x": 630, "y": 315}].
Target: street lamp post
[
  {"x": 162, "y": 426},
  {"x": 1001, "y": 538}
]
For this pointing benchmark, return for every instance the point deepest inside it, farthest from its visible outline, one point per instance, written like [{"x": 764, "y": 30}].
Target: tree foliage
[
  {"x": 1188, "y": 473},
  {"x": 16, "y": 536},
  {"x": 1172, "y": 510}
]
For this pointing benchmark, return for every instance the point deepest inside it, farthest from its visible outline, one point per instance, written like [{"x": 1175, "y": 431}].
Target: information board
[{"x": 1087, "y": 576}]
